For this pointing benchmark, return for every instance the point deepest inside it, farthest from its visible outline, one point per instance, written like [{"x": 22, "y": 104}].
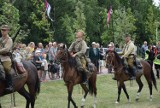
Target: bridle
[
  {"x": 110, "y": 57},
  {"x": 112, "y": 62},
  {"x": 62, "y": 55}
]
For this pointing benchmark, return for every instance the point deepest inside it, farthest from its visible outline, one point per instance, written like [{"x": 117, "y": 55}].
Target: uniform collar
[{"x": 129, "y": 42}]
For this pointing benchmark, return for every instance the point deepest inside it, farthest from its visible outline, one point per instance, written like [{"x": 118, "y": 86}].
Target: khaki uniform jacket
[
  {"x": 128, "y": 49},
  {"x": 78, "y": 47},
  {"x": 5, "y": 47}
]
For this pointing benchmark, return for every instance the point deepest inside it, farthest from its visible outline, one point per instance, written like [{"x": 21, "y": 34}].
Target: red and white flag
[
  {"x": 109, "y": 15},
  {"x": 48, "y": 9}
]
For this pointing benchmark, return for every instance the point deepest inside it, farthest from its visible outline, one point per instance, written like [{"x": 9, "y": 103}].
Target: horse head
[
  {"x": 110, "y": 58},
  {"x": 62, "y": 53}
]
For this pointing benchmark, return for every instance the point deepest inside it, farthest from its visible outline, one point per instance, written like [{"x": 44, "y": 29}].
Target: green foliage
[
  {"x": 10, "y": 16},
  {"x": 136, "y": 17},
  {"x": 124, "y": 22},
  {"x": 68, "y": 26},
  {"x": 79, "y": 23}
]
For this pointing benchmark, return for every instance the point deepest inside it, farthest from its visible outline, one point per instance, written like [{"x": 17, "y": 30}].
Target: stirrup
[
  {"x": 132, "y": 78},
  {"x": 85, "y": 82},
  {"x": 114, "y": 78},
  {"x": 9, "y": 89}
]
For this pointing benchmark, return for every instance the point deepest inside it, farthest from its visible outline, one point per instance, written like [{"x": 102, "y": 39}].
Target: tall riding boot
[
  {"x": 88, "y": 73},
  {"x": 87, "y": 76},
  {"x": 133, "y": 73},
  {"x": 80, "y": 69},
  {"x": 9, "y": 87},
  {"x": 125, "y": 66}
]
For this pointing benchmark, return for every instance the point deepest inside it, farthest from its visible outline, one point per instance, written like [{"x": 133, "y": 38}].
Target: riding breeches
[
  {"x": 7, "y": 66},
  {"x": 130, "y": 61}
]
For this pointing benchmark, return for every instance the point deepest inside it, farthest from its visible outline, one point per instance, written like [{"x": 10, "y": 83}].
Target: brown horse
[
  {"x": 113, "y": 58},
  {"x": 30, "y": 77},
  {"x": 72, "y": 77}
]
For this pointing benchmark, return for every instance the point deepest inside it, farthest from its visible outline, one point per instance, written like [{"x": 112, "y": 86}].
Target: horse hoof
[
  {"x": 129, "y": 101},
  {"x": 81, "y": 106},
  {"x": 116, "y": 102},
  {"x": 94, "y": 106},
  {"x": 137, "y": 99}
]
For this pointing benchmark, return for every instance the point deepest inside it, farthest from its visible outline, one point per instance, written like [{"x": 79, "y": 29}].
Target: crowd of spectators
[{"x": 42, "y": 57}]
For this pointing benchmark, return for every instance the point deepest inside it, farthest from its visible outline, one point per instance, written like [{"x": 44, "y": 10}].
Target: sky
[{"x": 156, "y": 2}]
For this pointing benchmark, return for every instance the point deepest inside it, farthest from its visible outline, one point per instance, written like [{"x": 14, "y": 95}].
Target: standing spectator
[
  {"x": 44, "y": 67},
  {"x": 50, "y": 52},
  {"x": 37, "y": 60},
  {"x": 31, "y": 46},
  {"x": 40, "y": 48},
  {"x": 27, "y": 55},
  {"x": 144, "y": 49},
  {"x": 94, "y": 55},
  {"x": 54, "y": 50},
  {"x": 110, "y": 48},
  {"x": 46, "y": 49}
]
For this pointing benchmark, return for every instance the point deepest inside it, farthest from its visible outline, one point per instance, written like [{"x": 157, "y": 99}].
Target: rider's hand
[{"x": 73, "y": 55}]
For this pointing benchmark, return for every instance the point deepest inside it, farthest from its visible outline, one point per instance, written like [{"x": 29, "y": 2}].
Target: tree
[
  {"x": 33, "y": 19},
  {"x": 10, "y": 16},
  {"x": 124, "y": 23}
]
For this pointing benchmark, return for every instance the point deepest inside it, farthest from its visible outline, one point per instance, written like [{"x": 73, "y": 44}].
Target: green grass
[{"x": 54, "y": 95}]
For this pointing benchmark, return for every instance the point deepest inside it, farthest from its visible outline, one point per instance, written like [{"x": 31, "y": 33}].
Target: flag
[
  {"x": 109, "y": 15},
  {"x": 48, "y": 9}
]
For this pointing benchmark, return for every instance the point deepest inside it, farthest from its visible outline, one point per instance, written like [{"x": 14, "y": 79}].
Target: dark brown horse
[
  {"x": 30, "y": 77},
  {"x": 113, "y": 58},
  {"x": 71, "y": 77}
]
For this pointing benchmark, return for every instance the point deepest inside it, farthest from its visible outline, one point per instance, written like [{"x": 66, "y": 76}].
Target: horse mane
[
  {"x": 71, "y": 61},
  {"x": 119, "y": 60}
]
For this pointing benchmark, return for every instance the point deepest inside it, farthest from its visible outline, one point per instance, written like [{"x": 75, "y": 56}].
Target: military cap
[
  {"x": 6, "y": 27},
  {"x": 127, "y": 35}
]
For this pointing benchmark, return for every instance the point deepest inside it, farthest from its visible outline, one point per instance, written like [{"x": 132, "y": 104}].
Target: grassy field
[{"x": 54, "y": 95}]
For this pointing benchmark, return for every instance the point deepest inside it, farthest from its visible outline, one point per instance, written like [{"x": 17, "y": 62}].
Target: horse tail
[
  {"x": 90, "y": 87},
  {"x": 92, "y": 84},
  {"x": 154, "y": 80},
  {"x": 37, "y": 85}
]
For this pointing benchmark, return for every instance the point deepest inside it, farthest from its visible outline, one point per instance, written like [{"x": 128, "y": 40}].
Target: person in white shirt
[{"x": 44, "y": 67}]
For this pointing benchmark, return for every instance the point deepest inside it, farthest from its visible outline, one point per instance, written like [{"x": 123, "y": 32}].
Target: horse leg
[
  {"x": 93, "y": 82},
  {"x": 24, "y": 93},
  {"x": 32, "y": 94},
  {"x": 157, "y": 70},
  {"x": 119, "y": 92},
  {"x": 140, "y": 84},
  {"x": 150, "y": 89},
  {"x": 85, "y": 95},
  {"x": 70, "y": 90},
  {"x": 125, "y": 91}
]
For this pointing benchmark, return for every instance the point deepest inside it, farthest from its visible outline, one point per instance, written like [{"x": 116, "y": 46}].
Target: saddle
[
  {"x": 138, "y": 64},
  {"x": 19, "y": 68},
  {"x": 87, "y": 64}
]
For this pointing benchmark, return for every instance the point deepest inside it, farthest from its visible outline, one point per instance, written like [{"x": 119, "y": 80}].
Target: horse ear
[{"x": 64, "y": 46}]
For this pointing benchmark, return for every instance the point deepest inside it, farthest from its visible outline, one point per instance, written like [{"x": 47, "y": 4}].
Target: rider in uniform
[
  {"x": 5, "y": 48},
  {"x": 128, "y": 56},
  {"x": 77, "y": 50}
]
